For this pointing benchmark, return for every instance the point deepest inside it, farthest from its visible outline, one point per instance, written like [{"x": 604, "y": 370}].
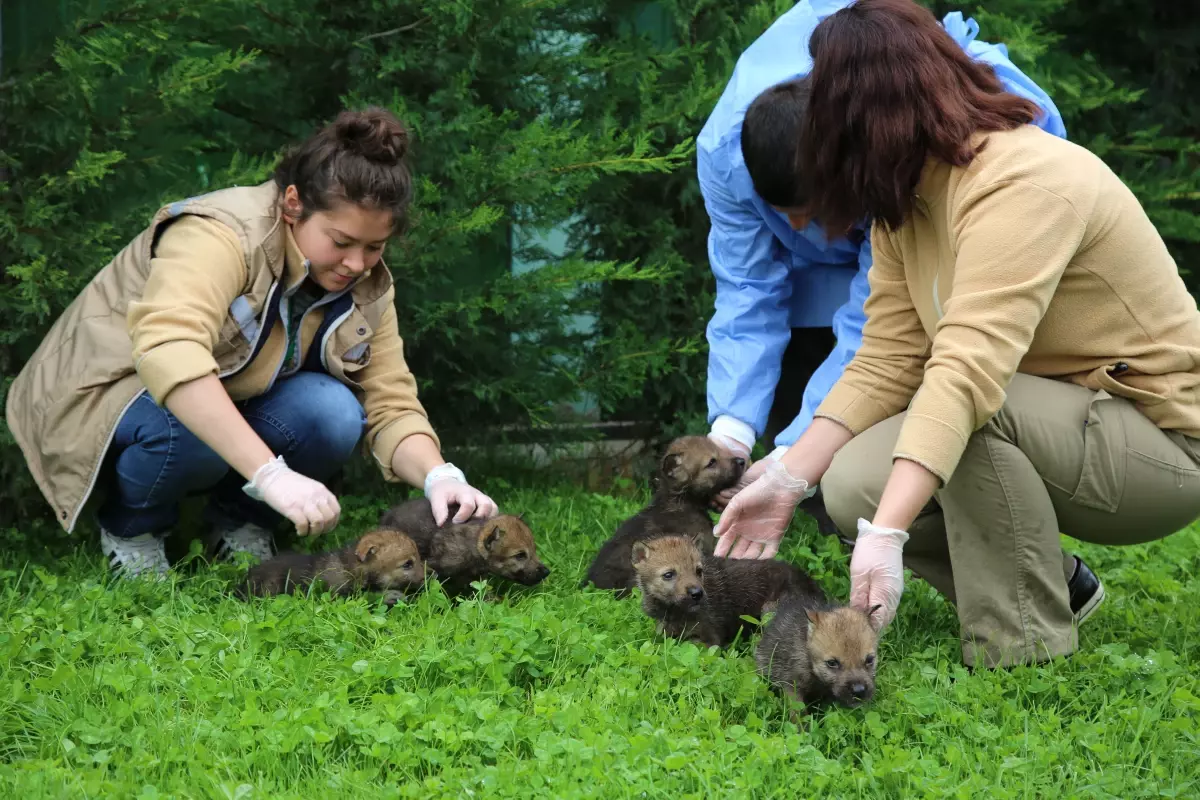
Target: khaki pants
[{"x": 1056, "y": 458}]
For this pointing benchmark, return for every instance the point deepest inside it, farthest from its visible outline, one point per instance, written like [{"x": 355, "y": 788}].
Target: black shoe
[{"x": 1085, "y": 590}]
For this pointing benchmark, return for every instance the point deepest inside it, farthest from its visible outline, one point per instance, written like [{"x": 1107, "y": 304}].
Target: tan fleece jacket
[
  {"x": 1035, "y": 258},
  {"x": 197, "y": 271}
]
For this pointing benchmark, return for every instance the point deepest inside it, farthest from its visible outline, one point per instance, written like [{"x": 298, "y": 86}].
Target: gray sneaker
[
  {"x": 244, "y": 538},
  {"x": 135, "y": 556}
]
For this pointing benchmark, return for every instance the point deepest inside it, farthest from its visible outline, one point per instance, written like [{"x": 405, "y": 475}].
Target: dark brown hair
[
  {"x": 890, "y": 88},
  {"x": 358, "y": 158},
  {"x": 771, "y": 142}
]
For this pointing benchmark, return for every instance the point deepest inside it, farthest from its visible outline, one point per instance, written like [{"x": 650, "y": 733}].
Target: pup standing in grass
[
  {"x": 813, "y": 652},
  {"x": 703, "y": 598}
]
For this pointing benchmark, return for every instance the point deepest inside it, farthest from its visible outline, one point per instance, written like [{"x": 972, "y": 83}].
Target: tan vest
[{"x": 64, "y": 406}]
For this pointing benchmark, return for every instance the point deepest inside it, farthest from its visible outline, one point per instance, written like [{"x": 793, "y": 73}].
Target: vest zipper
[
  {"x": 937, "y": 304},
  {"x": 324, "y": 301}
]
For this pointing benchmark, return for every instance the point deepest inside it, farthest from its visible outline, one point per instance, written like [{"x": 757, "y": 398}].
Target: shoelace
[{"x": 136, "y": 557}]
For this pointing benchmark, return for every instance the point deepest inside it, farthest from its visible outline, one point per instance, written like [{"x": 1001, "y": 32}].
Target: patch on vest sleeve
[{"x": 243, "y": 314}]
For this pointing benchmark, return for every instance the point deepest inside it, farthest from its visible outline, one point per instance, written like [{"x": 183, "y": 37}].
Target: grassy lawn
[{"x": 177, "y": 690}]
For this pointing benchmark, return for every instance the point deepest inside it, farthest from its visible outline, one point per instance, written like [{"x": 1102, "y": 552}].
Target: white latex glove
[
  {"x": 877, "y": 572},
  {"x": 446, "y": 485},
  {"x": 755, "y": 520},
  {"x": 306, "y": 503}
]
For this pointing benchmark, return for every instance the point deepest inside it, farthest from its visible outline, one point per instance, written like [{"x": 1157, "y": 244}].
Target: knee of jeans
[
  {"x": 335, "y": 415},
  {"x": 204, "y": 466},
  {"x": 199, "y": 462},
  {"x": 156, "y": 456},
  {"x": 153, "y": 433},
  {"x": 846, "y": 495}
]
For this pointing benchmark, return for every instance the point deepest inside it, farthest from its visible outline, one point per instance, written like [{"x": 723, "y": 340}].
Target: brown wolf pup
[
  {"x": 380, "y": 560},
  {"x": 815, "y": 652},
  {"x": 692, "y": 472},
  {"x": 703, "y": 598},
  {"x": 470, "y": 551}
]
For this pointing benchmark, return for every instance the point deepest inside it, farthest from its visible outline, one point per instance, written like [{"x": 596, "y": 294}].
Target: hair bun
[{"x": 374, "y": 133}]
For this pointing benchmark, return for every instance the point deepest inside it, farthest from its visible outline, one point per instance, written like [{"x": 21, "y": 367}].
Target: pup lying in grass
[
  {"x": 814, "y": 652},
  {"x": 380, "y": 560},
  {"x": 461, "y": 553},
  {"x": 702, "y": 598},
  {"x": 692, "y": 472}
]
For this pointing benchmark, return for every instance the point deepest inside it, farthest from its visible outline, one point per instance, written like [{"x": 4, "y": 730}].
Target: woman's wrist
[
  {"x": 909, "y": 489},
  {"x": 809, "y": 458},
  {"x": 414, "y": 458},
  {"x": 443, "y": 471}
]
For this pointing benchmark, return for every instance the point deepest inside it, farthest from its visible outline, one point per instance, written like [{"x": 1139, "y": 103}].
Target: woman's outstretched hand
[
  {"x": 755, "y": 520},
  {"x": 307, "y": 503},
  {"x": 445, "y": 486}
]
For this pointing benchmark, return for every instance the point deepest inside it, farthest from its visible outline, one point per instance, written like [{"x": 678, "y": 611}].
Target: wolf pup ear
[
  {"x": 671, "y": 464},
  {"x": 640, "y": 552},
  {"x": 365, "y": 553},
  {"x": 488, "y": 537}
]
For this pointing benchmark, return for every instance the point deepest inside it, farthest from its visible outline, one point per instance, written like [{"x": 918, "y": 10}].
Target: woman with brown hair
[
  {"x": 240, "y": 347},
  {"x": 1031, "y": 359}
]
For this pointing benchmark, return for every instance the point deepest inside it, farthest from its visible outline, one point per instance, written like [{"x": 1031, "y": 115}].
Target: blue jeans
[{"x": 310, "y": 419}]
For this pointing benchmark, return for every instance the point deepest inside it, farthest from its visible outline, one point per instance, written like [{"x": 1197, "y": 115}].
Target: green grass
[{"x": 176, "y": 690}]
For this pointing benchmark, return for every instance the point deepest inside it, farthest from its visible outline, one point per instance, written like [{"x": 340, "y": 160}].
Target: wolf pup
[
  {"x": 703, "y": 598},
  {"x": 472, "y": 550},
  {"x": 815, "y": 652},
  {"x": 380, "y": 560},
  {"x": 692, "y": 472}
]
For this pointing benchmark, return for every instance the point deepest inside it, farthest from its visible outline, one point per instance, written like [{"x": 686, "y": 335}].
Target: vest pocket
[
  {"x": 348, "y": 349},
  {"x": 1102, "y": 477},
  {"x": 357, "y": 356}
]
